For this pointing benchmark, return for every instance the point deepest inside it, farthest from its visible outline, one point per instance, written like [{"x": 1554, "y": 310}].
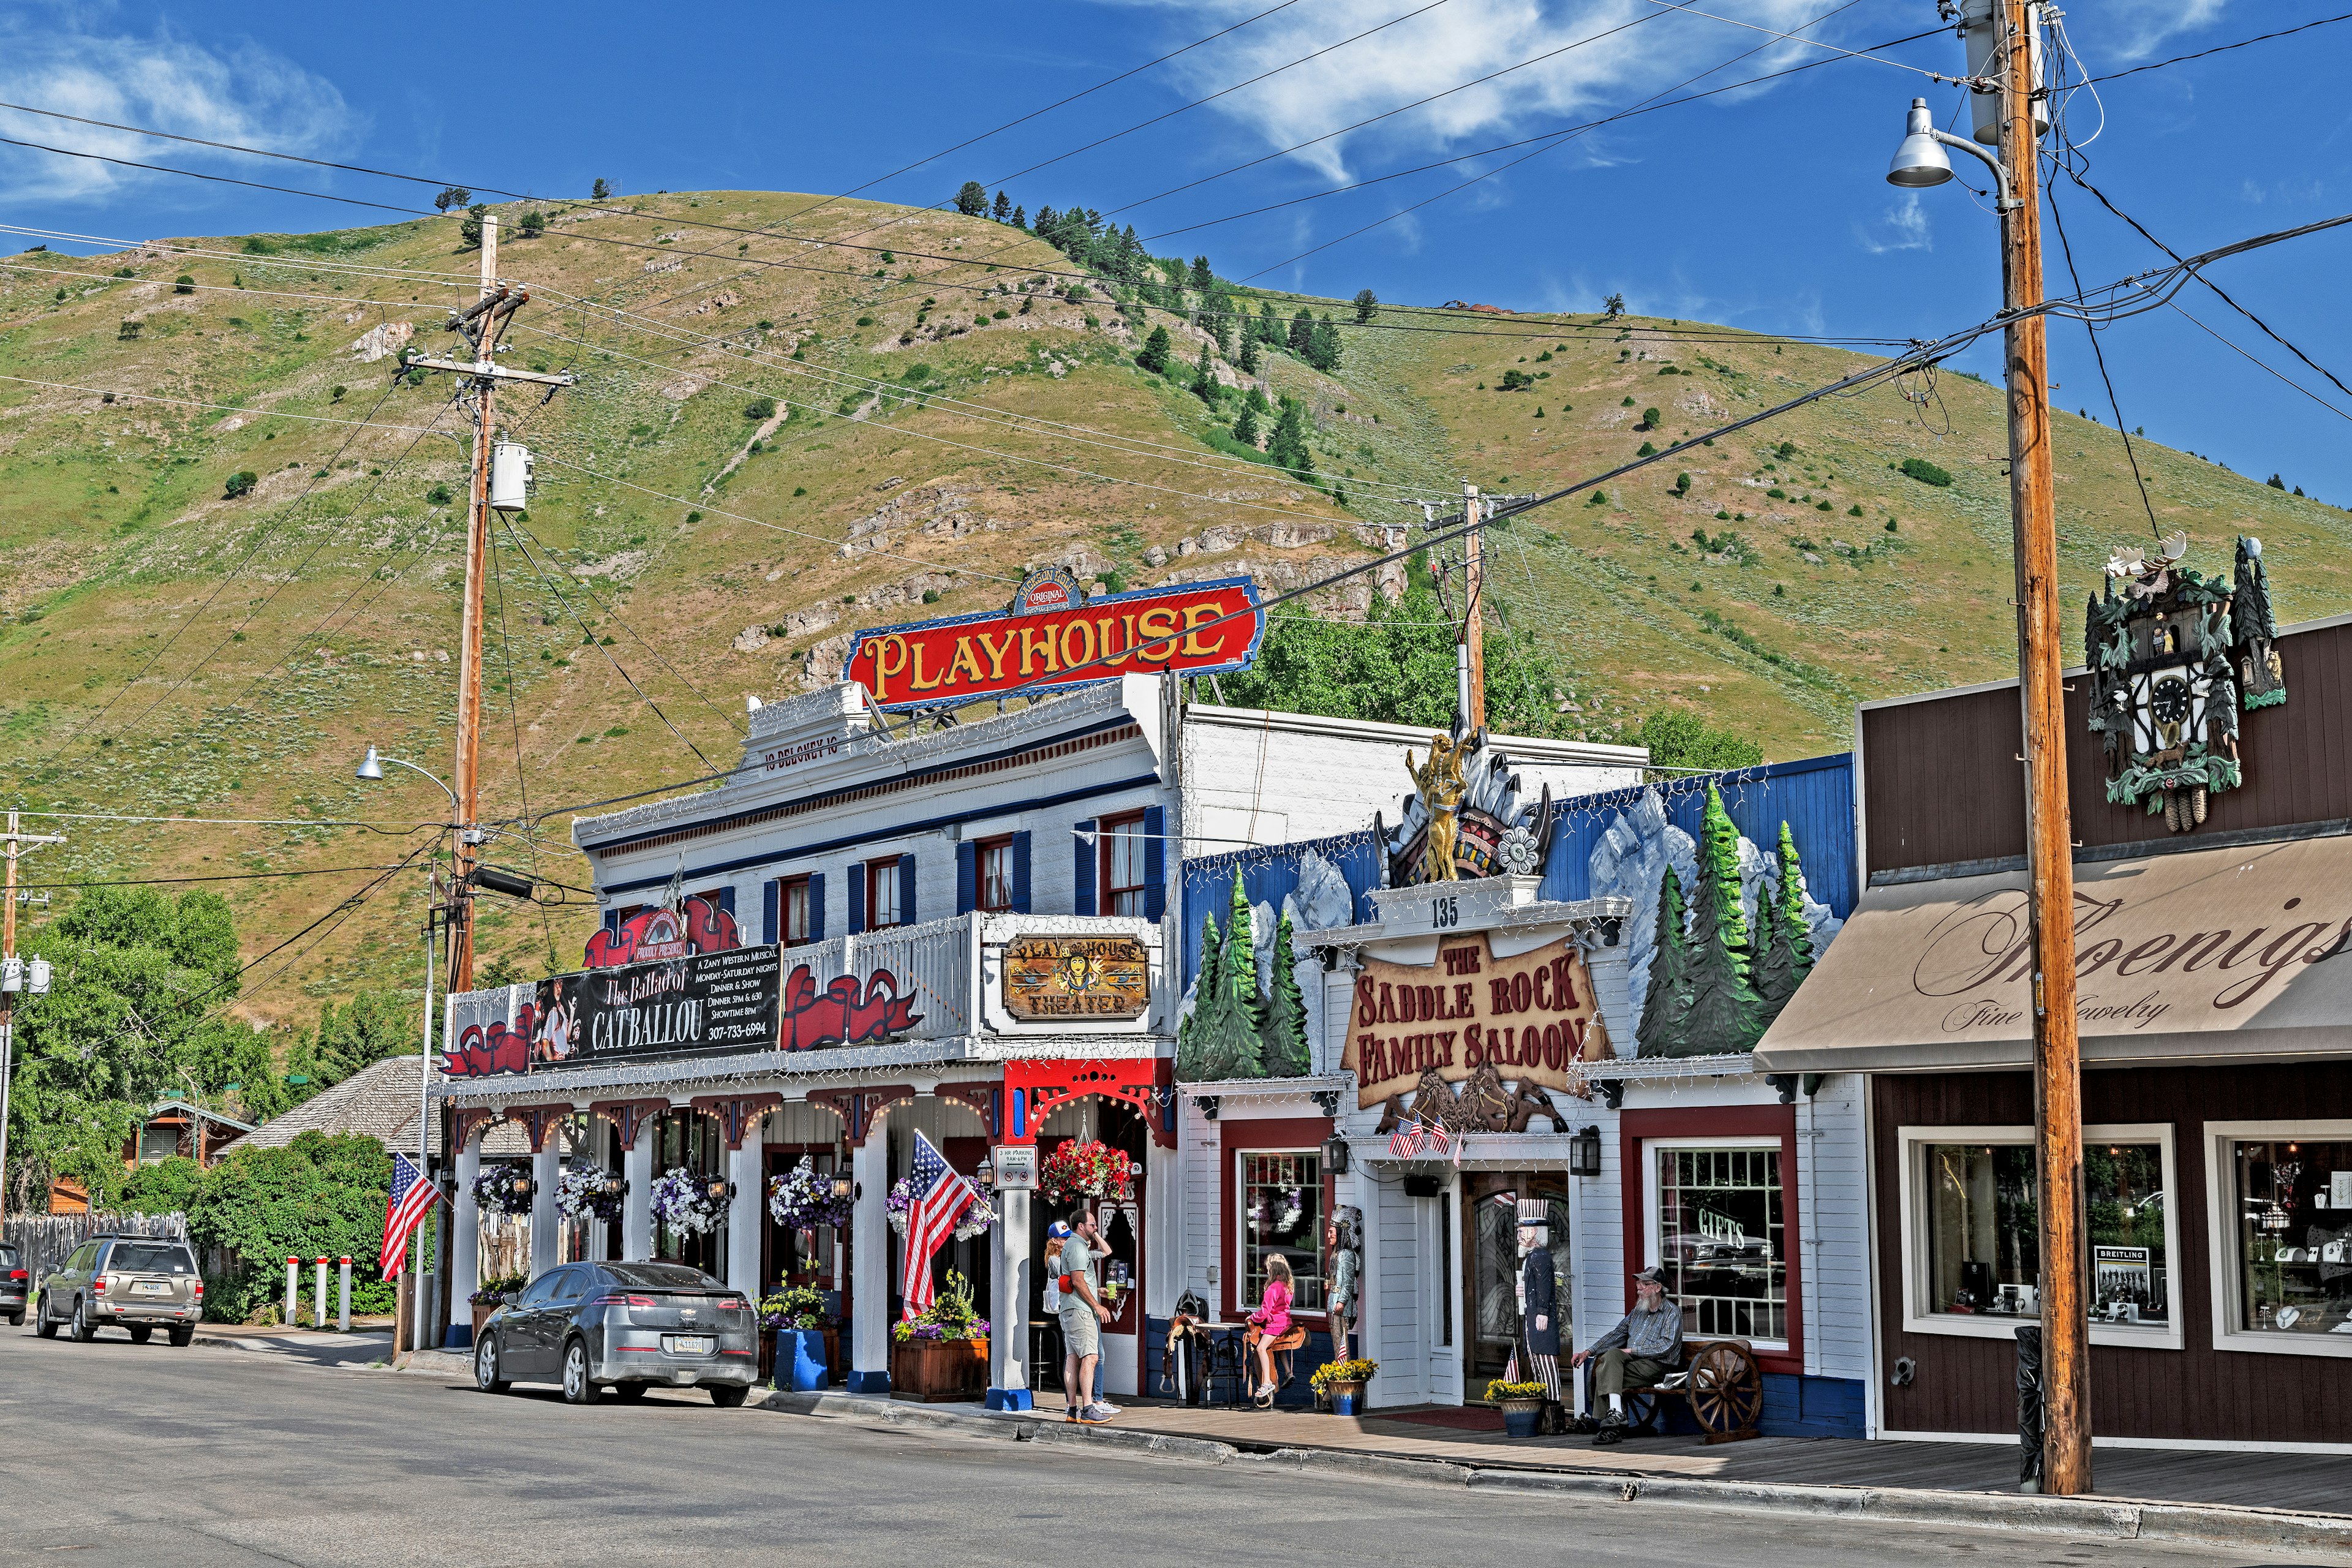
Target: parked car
[
  {"x": 14, "y": 1284},
  {"x": 140, "y": 1282},
  {"x": 625, "y": 1326}
]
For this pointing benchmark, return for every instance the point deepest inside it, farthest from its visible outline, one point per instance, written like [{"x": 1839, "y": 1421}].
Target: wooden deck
[{"x": 2302, "y": 1482}]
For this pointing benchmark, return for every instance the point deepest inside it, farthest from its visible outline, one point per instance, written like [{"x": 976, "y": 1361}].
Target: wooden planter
[
  {"x": 937, "y": 1371},
  {"x": 482, "y": 1310}
]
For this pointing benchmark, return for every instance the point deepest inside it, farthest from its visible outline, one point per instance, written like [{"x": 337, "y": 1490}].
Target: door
[
  {"x": 1491, "y": 1281},
  {"x": 523, "y": 1334},
  {"x": 810, "y": 1258}
]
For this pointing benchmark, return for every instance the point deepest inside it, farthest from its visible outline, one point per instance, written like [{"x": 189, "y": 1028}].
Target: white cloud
[
  {"x": 1903, "y": 227},
  {"x": 243, "y": 93},
  {"x": 1611, "y": 53},
  {"x": 2134, "y": 29}
]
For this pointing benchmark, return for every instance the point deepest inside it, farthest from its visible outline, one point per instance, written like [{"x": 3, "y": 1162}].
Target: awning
[{"x": 2205, "y": 956}]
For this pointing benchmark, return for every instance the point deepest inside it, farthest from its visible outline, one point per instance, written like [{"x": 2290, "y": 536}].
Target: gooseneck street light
[{"x": 1920, "y": 162}]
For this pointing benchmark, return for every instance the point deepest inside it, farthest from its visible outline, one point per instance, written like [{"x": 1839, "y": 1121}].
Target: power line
[
  {"x": 2099, "y": 357},
  {"x": 200, "y": 174},
  {"x": 372, "y": 825},
  {"x": 225, "y": 877},
  {"x": 2219, "y": 48}
]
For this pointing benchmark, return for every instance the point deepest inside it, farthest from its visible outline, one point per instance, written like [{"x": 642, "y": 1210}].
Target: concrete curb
[{"x": 2210, "y": 1524}]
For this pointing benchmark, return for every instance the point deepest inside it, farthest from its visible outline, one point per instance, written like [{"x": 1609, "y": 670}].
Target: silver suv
[{"x": 137, "y": 1281}]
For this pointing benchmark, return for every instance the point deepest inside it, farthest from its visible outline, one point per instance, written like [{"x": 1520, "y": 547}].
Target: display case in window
[{"x": 2293, "y": 1235}]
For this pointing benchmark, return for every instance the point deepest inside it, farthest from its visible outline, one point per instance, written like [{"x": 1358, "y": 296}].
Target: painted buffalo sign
[
  {"x": 846, "y": 1012},
  {"x": 1198, "y": 629},
  {"x": 1076, "y": 977},
  {"x": 1529, "y": 1017}
]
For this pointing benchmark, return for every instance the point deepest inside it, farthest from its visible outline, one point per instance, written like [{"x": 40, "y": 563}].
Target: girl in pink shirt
[{"x": 1269, "y": 1323}]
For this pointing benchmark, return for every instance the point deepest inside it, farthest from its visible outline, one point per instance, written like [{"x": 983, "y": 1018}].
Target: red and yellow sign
[
  {"x": 934, "y": 664},
  {"x": 1531, "y": 1019}
]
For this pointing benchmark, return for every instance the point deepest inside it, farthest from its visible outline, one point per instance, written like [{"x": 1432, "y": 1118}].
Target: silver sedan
[{"x": 625, "y": 1326}]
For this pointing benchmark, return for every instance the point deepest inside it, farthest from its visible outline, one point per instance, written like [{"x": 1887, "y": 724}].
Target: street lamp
[{"x": 1920, "y": 162}]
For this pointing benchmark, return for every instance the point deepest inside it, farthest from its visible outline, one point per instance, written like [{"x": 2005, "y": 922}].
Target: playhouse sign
[{"x": 1052, "y": 636}]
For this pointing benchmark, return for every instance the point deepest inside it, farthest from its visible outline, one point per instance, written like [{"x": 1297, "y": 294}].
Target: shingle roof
[{"x": 379, "y": 1100}]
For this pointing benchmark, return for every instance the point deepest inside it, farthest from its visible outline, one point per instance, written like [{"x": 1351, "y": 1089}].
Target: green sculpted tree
[
  {"x": 1667, "y": 1004},
  {"x": 1785, "y": 942},
  {"x": 1726, "y": 1014},
  {"x": 1221, "y": 1039},
  {"x": 1285, "y": 1014}
]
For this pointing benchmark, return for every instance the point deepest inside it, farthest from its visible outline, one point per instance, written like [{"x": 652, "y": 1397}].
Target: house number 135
[{"x": 1444, "y": 913}]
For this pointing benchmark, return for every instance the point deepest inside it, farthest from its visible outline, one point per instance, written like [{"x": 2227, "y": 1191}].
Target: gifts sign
[
  {"x": 1531, "y": 1018},
  {"x": 711, "y": 1003}
]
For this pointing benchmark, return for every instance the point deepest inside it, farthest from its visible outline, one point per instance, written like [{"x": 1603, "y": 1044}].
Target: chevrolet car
[{"x": 628, "y": 1327}]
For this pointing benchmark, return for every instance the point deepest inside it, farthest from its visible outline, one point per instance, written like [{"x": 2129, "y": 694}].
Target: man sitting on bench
[{"x": 1640, "y": 1352}]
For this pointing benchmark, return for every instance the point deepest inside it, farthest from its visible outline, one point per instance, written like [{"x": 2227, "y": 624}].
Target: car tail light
[
  {"x": 624, "y": 1302},
  {"x": 200, "y": 1290},
  {"x": 98, "y": 1285},
  {"x": 18, "y": 1274},
  {"x": 732, "y": 1304}
]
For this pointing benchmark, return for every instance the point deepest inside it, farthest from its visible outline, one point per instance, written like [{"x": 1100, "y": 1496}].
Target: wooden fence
[{"x": 46, "y": 1240}]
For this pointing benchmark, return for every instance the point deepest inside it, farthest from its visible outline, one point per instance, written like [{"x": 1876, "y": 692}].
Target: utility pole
[
  {"x": 18, "y": 841},
  {"x": 2049, "y": 851},
  {"x": 1474, "y": 634},
  {"x": 482, "y": 325}
]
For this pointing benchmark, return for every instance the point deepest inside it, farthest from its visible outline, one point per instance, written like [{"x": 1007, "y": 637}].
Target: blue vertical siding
[{"x": 1269, "y": 876}]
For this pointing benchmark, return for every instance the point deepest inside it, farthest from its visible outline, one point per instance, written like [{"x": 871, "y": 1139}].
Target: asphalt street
[{"x": 123, "y": 1453}]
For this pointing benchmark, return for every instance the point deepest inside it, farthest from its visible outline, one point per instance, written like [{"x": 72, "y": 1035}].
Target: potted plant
[
  {"x": 682, "y": 1200},
  {"x": 494, "y": 1293},
  {"x": 798, "y": 1333},
  {"x": 1343, "y": 1382},
  {"x": 587, "y": 1193},
  {"x": 503, "y": 1189},
  {"x": 1522, "y": 1405},
  {"x": 802, "y": 1199},
  {"x": 941, "y": 1353}
]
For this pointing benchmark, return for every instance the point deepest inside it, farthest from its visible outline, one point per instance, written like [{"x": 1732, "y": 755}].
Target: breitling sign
[{"x": 1049, "y": 977}]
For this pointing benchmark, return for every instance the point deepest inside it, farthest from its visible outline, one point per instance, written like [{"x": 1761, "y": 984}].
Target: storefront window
[
  {"x": 1722, "y": 1242},
  {"x": 2295, "y": 1236},
  {"x": 1983, "y": 1231},
  {"x": 1282, "y": 1214}
]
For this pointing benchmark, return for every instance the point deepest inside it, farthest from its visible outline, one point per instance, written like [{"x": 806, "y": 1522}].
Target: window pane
[
  {"x": 1721, "y": 1242},
  {"x": 2295, "y": 1236},
  {"x": 2123, "y": 1185},
  {"x": 996, "y": 876},
  {"x": 1984, "y": 1231},
  {"x": 1282, "y": 1213},
  {"x": 1123, "y": 869},
  {"x": 883, "y": 904},
  {"x": 796, "y": 911}
]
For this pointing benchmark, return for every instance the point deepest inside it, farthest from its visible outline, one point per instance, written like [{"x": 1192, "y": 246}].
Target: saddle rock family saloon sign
[
  {"x": 1052, "y": 636},
  {"x": 1531, "y": 1018}
]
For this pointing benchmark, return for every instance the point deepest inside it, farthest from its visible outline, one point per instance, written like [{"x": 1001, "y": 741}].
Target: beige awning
[{"x": 2209, "y": 955}]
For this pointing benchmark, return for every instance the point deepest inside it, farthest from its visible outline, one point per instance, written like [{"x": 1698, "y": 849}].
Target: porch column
[
  {"x": 869, "y": 1355},
  {"x": 464, "y": 1243},
  {"x": 637, "y": 1203},
  {"x": 744, "y": 1215},
  {"x": 1008, "y": 1306},
  {"x": 546, "y": 1219}
]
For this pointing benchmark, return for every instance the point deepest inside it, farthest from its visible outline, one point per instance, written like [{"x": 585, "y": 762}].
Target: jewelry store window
[
  {"x": 1972, "y": 1214},
  {"x": 2283, "y": 1229}
]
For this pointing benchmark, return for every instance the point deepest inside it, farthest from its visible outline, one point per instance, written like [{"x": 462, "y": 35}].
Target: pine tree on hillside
[
  {"x": 1367, "y": 305},
  {"x": 971, "y": 199},
  {"x": 1787, "y": 945},
  {"x": 1726, "y": 1013},
  {"x": 1204, "y": 380},
  {"x": 1046, "y": 223},
  {"x": 1002, "y": 210},
  {"x": 1287, "y": 446},
  {"x": 1221, "y": 321},
  {"x": 1249, "y": 360},
  {"x": 1323, "y": 346},
  {"x": 601, "y": 192},
  {"x": 1269, "y": 325},
  {"x": 1204, "y": 282},
  {"x": 1245, "y": 424},
  {"x": 1667, "y": 1004},
  {"x": 1287, "y": 1055},
  {"x": 1154, "y": 357},
  {"x": 1020, "y": 217},
  {"x": 1301, "y": 333}
]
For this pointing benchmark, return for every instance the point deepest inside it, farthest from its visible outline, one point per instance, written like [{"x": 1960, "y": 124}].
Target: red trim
[
  {"x": 1302, "y": 1134},
  {"x": 1634, "y": 1128},
  {"x": 1146, "y": 1085}
]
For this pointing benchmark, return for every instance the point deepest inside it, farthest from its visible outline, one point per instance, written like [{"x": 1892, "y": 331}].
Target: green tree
[
  {"x": 1287, "y": 1055},
  {"x": 1302, "y": 333},
  {"x": 1786, "y": 945},
  {"x": 1269, "y": 325},
  {"x": 1287, "y": 444},
  {"x": 1020, "y": 217},
  {"x": 1002, "y": 210},
  {"x": 1726, "y": 1014},
  {"x": 469, "y": 231},
  {"x": 1154, "y": 357},
  {"x": 321, "y": 1196},
  {"x": 1221, "y": 321},
  {"x": 1245, "y": 422},
  {"x": 1204, "y": 380},
  {"x": 534, "y": 224},
  {"x": 1367, "y": 305},
  {"x": 167, "y": 1187},
  {"x": 971, "y": 199},
  {"x": 1323, "y": 346},
  {"x": 370, "y": 1027},
  {"x": 457, "y": 196},
  {"x": 601, "y": 192},
  {"x": 1204, "y": 282},
  {"x": 1680, "y": 743},
  {"x": 1249, "y": 360},
  {"x": 1665, "y": 1007}
]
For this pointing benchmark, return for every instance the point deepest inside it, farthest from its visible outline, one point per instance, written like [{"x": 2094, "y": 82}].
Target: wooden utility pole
[
  {"x": 468, "y": 784},
  {"x": 17, "y": 841},
  {"x": 2049, "y": 851},
  {"x": 1473, "y": 638}
]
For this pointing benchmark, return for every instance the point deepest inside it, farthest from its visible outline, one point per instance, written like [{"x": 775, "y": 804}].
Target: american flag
[
  {"x": 412, "y": 1196},
  {"x": 941, "y": 1198}
]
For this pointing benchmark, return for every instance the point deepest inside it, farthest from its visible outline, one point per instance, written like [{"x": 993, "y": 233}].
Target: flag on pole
[
  {"x": 940, "y": 1198},
  {"x": 412, "y": 1196}
]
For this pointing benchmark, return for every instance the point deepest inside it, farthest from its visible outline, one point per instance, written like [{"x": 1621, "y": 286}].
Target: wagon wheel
[{"x": 1727, "y": 1391}]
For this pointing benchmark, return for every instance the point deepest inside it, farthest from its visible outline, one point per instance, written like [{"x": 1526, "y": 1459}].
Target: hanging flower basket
[
  {"x": 503, "y": 1189},
  {"x": 1091, "y": 1169},
  {"x": 976, "y": 1220},
  {"x": 583, "y": 1194},
  {"x": 682, "y": 1200},
  {"x": 802, "y": 1199}
]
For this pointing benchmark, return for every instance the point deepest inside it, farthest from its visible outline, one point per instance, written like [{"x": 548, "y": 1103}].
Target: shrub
[
  {"x": 336, "y": 394},
  {"x": 1513, "y": 380},
  {"x": 239, "y": 483},
  {"x": 1925, "y": 472},
  {"x": 439, "y": 495},
  {"x": 1154, "y": 354},
  {"x": 534, "y": 224},
  {"x": 183, "y": 284},
  {"x": 1682, "y": 484},
  {"x": 1785, "y": 450},
  {"x": 865, "y": 320},
  {"x": 1890, "y": 526},
  {"x": 1854, "y": 511},
  {"x": 759, "y": 408},
  {"x": 1648, "y": 451},
  {"x": 129, "y": 331},
  {"x": 1652, "y": 418}
]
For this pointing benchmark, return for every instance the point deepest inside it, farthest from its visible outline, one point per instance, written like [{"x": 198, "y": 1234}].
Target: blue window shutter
[
  {"x": 967, "y": 877},
  {"x": 857, "y": 899},
  {"x": 816, "y": 906},
  {"x": 769, "y": 912},
  {"x": 906, "y": 890},
  {"x": 1155, "y": 863},
  {"x": 1082, "y": 841},
  {"x": 727, "y": 898},
  {"x": 1021, "y": 872},
  {"x": 613, "y": 919}
]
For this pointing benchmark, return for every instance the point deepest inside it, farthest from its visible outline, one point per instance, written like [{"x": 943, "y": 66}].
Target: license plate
[
  {"x": 149, "y": 1288},
  {"x": 691, "y": 1345}
]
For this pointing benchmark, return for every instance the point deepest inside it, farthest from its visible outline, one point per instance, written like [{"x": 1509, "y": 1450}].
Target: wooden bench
[{"x": 1718, "y": 1380}]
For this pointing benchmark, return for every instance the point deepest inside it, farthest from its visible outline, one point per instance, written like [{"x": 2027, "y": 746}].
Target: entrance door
[
  {"x": 1491, "y": 1279},
  {"x": 812, "y": 1257}
]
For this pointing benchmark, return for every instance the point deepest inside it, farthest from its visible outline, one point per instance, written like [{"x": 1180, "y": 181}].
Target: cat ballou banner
[
  {"x": 703, "y": 1003},
  {"x": 1531, "y": 1016}
]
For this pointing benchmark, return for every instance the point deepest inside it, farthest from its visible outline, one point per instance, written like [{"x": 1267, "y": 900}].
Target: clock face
[
  {"x": 2169, "y": 708},
  {"x": 2170, "y": 700}
]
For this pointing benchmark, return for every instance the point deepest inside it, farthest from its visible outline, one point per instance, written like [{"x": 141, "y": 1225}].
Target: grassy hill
[{"x": 166, "y": 649}]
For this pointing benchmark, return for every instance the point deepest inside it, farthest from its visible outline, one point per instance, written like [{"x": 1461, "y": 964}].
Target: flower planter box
[
  {"x": 482, "y": 1310},
  {"x": 1347, "y": 1398},
  {"x": 938, "y": 1370},
  {"x": 1521, "y": 1416}
]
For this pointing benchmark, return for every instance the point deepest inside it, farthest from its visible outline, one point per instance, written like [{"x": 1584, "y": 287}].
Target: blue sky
[{"x": 1764, "y": 207}]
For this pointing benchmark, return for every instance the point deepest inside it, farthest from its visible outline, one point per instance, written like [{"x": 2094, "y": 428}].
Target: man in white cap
[
  {"x": 1639, "y": 1353},
  {"x": 1538, "y": 1310}
]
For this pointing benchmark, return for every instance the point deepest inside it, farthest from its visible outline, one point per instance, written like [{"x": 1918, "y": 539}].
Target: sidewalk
[
  {"x": 2276, "y": 1502},
  {"x": 363, "y": 1347}
]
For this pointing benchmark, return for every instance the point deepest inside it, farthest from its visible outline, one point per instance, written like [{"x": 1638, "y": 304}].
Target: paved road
[{"x": 212, "y": 1455}]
